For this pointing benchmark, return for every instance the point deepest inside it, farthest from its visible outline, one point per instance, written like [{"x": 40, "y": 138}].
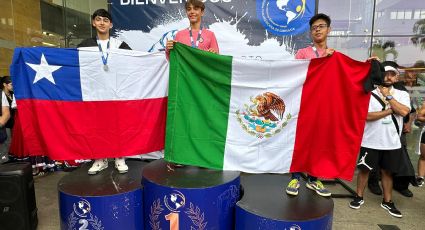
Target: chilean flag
[{"x": 70, "y": 107}]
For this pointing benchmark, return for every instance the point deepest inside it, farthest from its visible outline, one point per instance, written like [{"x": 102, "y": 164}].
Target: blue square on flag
[{"x": 45, "y": 73}]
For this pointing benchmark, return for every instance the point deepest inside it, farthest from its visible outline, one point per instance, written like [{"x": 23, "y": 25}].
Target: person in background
[
  {"x": 418, "y": 70},
  {"x": 4, "y": 118},
  {"x": 401, "y": 180},
  {"x": 14, "y": 144},
  {"x": 381, "y": 145},
  {"x": 421, "y": 162},
  {"x": 7, "y": 88},
  {"x": 320, "y": 27}
]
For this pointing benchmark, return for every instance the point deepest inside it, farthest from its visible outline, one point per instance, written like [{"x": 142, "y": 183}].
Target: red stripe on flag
[
  {"x": 332, "y": 117},
  {"x": 91, "y": 130}
]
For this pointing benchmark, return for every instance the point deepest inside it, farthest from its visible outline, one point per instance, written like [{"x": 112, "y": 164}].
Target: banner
[{"x": 254, "y": 29}]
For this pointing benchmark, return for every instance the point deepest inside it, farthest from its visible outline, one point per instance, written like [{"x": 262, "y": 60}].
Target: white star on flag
[{"x": 44, "y": 70}]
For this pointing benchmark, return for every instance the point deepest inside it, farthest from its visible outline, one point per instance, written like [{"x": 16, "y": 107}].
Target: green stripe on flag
[{"x": 198, "y": 107}]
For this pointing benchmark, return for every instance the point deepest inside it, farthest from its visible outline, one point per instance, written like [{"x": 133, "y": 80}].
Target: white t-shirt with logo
[{"x": 382, "y": 133}]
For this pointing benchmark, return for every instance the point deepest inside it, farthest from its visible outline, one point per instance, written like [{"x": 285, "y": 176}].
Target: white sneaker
[
  {"x": 98, "y": 166},
  {"x": 120, "y": 165}
]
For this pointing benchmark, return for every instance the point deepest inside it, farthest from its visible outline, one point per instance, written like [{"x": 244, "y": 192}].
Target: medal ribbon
[
  {"x": 315, "y": 51},
  {"x": 104, "y": 59},
  {"x": 197, "y": 39}
]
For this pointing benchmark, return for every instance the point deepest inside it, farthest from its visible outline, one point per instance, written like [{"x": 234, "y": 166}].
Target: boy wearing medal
[
  {"x": 319, "y": 30},
  {"x": 381, "y": 144},
  {"x": 195, "y": 36},
  {"x": 102, "y": 22}
]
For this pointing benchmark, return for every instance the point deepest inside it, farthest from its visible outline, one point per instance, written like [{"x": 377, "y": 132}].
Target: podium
[
  {"x": 108, "y": 200},
  {"x": 189, "y": 197},
  {"x": 157, "y": 196},
  {"x": 265, "y": 205}
]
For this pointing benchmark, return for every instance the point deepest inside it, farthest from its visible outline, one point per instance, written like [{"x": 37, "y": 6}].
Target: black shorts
[
  {"x": 423, "y": 138},
  {"x": 386, "y": 159}
]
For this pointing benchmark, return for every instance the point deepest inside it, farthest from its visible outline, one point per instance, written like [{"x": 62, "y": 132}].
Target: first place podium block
[
  {"x": 106, "y": 201},
  {"x": 189, "y": 197}
]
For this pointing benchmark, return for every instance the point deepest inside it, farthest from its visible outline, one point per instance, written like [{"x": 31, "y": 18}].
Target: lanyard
[
  {"x": 315, "y": 51},
  {"x": 104, "y": 59},
  {"x": 197, "y": 39}
]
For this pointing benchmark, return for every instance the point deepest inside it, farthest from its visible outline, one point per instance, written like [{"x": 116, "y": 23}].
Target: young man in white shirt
[{"x": 381, "y": 144}]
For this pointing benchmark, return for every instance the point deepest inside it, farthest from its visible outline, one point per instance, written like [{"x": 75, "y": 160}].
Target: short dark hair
[
  {"x": 102, "y": 13},
  {"x": 6, "y": 79},
  {"x": 324, "y": 17},
  {"x": 195, "y": 3}
]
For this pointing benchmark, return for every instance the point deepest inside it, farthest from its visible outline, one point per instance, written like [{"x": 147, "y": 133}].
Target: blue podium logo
[
  {"x": 175, "y": 201},
  {"x": 285, "y": 17},
  {"x": 82, "y": 208},
  {"x": 295, "y": 227},
  {"x": 82, "y": 218}
]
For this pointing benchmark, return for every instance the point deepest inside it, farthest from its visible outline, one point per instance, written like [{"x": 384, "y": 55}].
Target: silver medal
[{"x": 105, "y": 67}]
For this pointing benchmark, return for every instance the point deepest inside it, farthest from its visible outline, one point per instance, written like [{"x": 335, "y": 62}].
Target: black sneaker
[
  {"x": 392, "y": 210},
  {"x": 357, "y": 202},
  {"x": 405, "y": 192},
  {"x": 375, "y": 188}
]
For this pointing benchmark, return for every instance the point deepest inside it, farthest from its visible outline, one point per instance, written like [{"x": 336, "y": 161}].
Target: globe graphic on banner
[
  {"x": 292, "y": 9},
  {"x": 285, "y": 17}
]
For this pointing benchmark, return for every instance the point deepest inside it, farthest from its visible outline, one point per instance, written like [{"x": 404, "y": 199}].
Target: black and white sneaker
[
  {"x": 390, "y": 207},
  {"x": 420, "y": 181},
  {"x": 357, "y": 202}
]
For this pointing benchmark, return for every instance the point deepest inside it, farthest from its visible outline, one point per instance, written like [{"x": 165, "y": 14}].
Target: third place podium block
[{"x": 265, "y": 205}]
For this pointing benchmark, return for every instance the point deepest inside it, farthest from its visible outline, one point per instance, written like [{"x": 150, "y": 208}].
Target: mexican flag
[{"x": 263, "y": 116}]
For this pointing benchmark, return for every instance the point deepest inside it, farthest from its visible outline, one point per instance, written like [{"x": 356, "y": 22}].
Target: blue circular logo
[{"x": 285, "y": 17}]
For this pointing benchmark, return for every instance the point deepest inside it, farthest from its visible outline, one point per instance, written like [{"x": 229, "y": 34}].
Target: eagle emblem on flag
[{"x": 264, "y": 116}]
